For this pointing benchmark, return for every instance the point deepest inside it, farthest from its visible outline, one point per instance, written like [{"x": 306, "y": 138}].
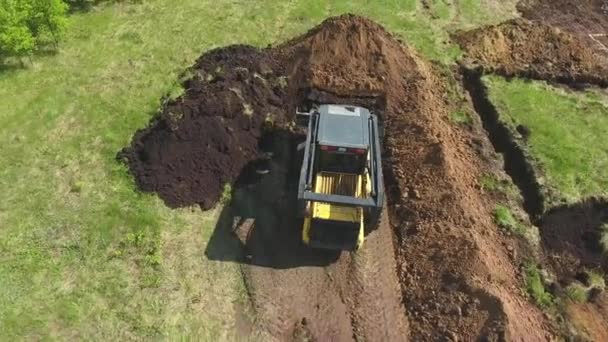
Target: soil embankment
[
  {"x": 522, "y": 48},
  {"x": 587, "y": 20}
]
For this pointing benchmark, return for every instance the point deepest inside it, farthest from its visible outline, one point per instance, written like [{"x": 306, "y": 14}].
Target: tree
[
  {"x": 15, "y": 36},
  {"x": 47, "y": 19},
  {"x": 26, "y": 25}
]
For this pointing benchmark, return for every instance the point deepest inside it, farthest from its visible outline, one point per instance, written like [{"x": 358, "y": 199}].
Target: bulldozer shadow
[{"x": 259, "y": 226}]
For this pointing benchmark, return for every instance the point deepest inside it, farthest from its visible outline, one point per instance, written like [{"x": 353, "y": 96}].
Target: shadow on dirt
[
  {"x": 571, "y": 235},
  {"x": 259, "y": 225}
]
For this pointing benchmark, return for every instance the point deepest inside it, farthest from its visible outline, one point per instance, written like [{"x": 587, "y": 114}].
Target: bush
[{"x": 26, "y": 25}]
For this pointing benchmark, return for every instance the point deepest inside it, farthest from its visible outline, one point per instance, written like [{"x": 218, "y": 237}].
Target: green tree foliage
[{"x": 26, "y": 25}]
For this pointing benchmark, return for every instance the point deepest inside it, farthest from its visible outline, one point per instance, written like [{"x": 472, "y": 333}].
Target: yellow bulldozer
[{"x": 341, "y": 188}]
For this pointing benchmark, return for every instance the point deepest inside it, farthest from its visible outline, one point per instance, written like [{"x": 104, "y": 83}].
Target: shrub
[{"x": 26, "y": 25}]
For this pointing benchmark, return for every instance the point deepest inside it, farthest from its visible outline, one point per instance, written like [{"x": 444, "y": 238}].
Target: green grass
[
  {"x": 82, "y": 254},
  {"x": 461, "y": 117},
  {"x": 226, "y": 196},
  {"x": 504, "y": 218},
  {"x": 596, "y": 279},
  {"x": 567, "y": 130},
  {"x": 536, "y": 288},
  {"x": 491, "y": 183},
  {"x": 604, "y": 237},
  {"x": 577, "y": 292}
]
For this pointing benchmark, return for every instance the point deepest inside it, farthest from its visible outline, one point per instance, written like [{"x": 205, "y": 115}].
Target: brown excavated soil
[
  {"x": 571, "y": 238},
  {"x": 535, "y": 50},
  {"x": 203, "y": 139},
  {"x": 437, "y": 268},
  {"x": 578, "y": 17}
]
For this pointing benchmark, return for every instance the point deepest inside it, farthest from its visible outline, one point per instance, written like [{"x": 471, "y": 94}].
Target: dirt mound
[
  {"x": 453, "y": 269},
  {"x": 347, "y": 56},
  {"x": 586, "y": 19},
  {"x": 203, "y": 139},
  {"x": 528, "y": 49}
]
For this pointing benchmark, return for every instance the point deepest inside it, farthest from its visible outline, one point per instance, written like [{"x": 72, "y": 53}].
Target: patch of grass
[
  {"x": 535, "y": 286},
  {"x": 490, "y": 182},
  {"x": 604, "y": 237},
  {"x": 504, "y": 218},
  {"x": 596, "y": 280},
  {"x": 461, "y": 117},
  {"x": 226, "y": 196},
  {"x": 565, "y": 130},
  {"x": 577, "y": 292}
]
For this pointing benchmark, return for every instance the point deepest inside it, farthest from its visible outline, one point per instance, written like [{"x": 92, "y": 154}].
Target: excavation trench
[
  {"x": 570, "y": 234},
  {"x": 516, "y": 164}
]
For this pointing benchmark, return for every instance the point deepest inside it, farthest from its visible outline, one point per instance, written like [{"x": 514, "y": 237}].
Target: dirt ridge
[{"x": 533, "y": 50}]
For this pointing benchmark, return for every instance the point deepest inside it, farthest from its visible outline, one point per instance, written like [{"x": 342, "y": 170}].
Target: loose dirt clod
[{"x": 534, "y": 50}]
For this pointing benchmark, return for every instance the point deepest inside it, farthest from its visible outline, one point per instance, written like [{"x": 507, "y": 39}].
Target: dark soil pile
[
  {"x": 528, "y": 49},
  {"x": 203, "y": 139},
  {"x": 571, "y": 237}
]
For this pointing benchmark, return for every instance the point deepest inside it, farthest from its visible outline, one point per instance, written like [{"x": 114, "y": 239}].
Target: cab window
[{"x": 341, "y": 162}]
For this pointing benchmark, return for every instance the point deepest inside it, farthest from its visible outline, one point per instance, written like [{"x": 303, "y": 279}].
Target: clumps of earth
[{"x": 529, "y": 49}]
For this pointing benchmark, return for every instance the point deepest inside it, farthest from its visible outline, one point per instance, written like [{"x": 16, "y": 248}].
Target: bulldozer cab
[
  {"x": 339, "y": 181},
  {"x": 332, "y": 161}
]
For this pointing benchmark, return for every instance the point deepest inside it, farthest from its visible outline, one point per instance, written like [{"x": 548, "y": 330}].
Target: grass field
[
  {"x": 568, "y": 132},
  {"x": 82, "y": 254}
]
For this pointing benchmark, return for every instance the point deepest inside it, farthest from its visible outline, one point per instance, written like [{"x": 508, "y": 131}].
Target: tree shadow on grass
[
  {"x": 10, "y": 67},
  {"x": 259, "y": 225}
]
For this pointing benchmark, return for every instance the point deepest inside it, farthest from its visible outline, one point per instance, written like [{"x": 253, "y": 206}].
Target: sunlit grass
[{"x": 568, "y": 130}]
